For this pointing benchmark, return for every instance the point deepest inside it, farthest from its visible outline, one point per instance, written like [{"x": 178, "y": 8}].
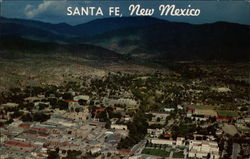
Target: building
[
  {"x": 73, "y": 104},
  {"x": 159, "y": 118},
  {"x": 190, "y": 112},
  {"x": 179, "y": 107},
  {"x": 127, "y": 118},
  {"x": 180, "y": 141},
  {"x": 203, "y": 148},
  {"x": 119, "y": 127},
  {"x": 82, "y": 97},
  {"x": 155, "y": 132},
  {"x": 162, "y": 141},
  {"x": 169, "y": 109},
  {"x": 10, "y": 105},
  {"x": 199, "y": 117},
  {"x": 19, "y": 145},
  {"x": 82, "y": 115},
  {"x": 32, "y": 99},
  {"x": 24, "y": 125}
]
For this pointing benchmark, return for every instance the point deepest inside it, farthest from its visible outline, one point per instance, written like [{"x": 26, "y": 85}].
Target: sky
[{"x": 55, "y": 11}]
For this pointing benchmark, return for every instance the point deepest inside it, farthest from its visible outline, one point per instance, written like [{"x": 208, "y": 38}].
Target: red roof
[
  {"x": 125, "y": 152},
  {"x": 190, "y": 109},
  {"x": 23, "y": 125},
  {"x": 71, "y": 101},
  {"x": 223, "y": 118},
  {"x": 18, "y": 117},
  {"x": 58, "y": 143},
  {"x": 18, "y": 143},
  {"x": 40, "y": 129},
  {"x": 166, "y": 135},
  {"x": 117, "y": 139},
  {"x": 99, "y": 109}
]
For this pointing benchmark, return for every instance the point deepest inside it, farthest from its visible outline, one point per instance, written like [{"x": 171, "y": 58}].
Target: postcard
[{"x": 124, "y": 79}]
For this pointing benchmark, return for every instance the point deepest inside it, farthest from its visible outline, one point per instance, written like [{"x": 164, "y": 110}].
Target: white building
[
  {"x": 179, "y": 107},
  {"x": 38, "y": 103},
  {"x": 180, "y": 141},
  {"x": 10, "y": 105},
  {"x": 83, "y": 97},
  {"x": 199, "y": 118},
  {"x": 119, "y": 127},
  {"x": 168, "y": 109},
  {"x": 202, "y": 148},
  {"x": 162, "y": 141},
  {"x": 155, "y": 132}
]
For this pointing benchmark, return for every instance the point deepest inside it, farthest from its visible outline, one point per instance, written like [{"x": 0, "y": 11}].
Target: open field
[
  {"x": 225, "y": 113},
  {"x": 205, "y": 112},
  {"x": 156, "y": 152},
  {"x": 213, "y": 107},
  {"x": 178, "y": 154}
]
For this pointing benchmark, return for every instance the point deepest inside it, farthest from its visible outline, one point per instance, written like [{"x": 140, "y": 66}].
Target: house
[
  {"x": 179, "y": 107},
  {"x": 24, "y": 125},
  {"x": 95, "y": 150},
  {"x": 82, "y": 97},
  {"x": 73, "y": 104},
  {"x": 20, "y": 145},
  {"x": 169, "y": 109},
  {"x": 167, "y": 135},
  {"x": 38, "y": 103},
  {"x": 119, "y": 126},
  {"x": 127, "y": 118},
  {"x": 199, "y": 117},
  {"x": 190, "y": 112},
  {"x": 99, "y": 110},
  {"x": 219, "y": 132}
]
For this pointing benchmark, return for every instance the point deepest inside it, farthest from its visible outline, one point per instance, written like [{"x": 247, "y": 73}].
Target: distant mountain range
[
  {"x": 61, "y": 31},
  {"x": 17, "y": 47},
  {"x": 143, "y": 37}
]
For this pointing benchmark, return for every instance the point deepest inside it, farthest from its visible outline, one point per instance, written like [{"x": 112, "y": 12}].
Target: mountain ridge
[{"x": 143, "y": 37}]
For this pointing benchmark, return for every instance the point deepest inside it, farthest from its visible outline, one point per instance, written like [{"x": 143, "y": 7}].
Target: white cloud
[{"x": 31, "y": 11}]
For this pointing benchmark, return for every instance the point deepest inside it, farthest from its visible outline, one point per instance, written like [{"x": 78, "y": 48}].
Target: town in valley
[{"x": 190, "y": 112}]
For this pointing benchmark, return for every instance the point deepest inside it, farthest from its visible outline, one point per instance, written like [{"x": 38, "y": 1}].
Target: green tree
[{"x": 53, "y": 155}]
